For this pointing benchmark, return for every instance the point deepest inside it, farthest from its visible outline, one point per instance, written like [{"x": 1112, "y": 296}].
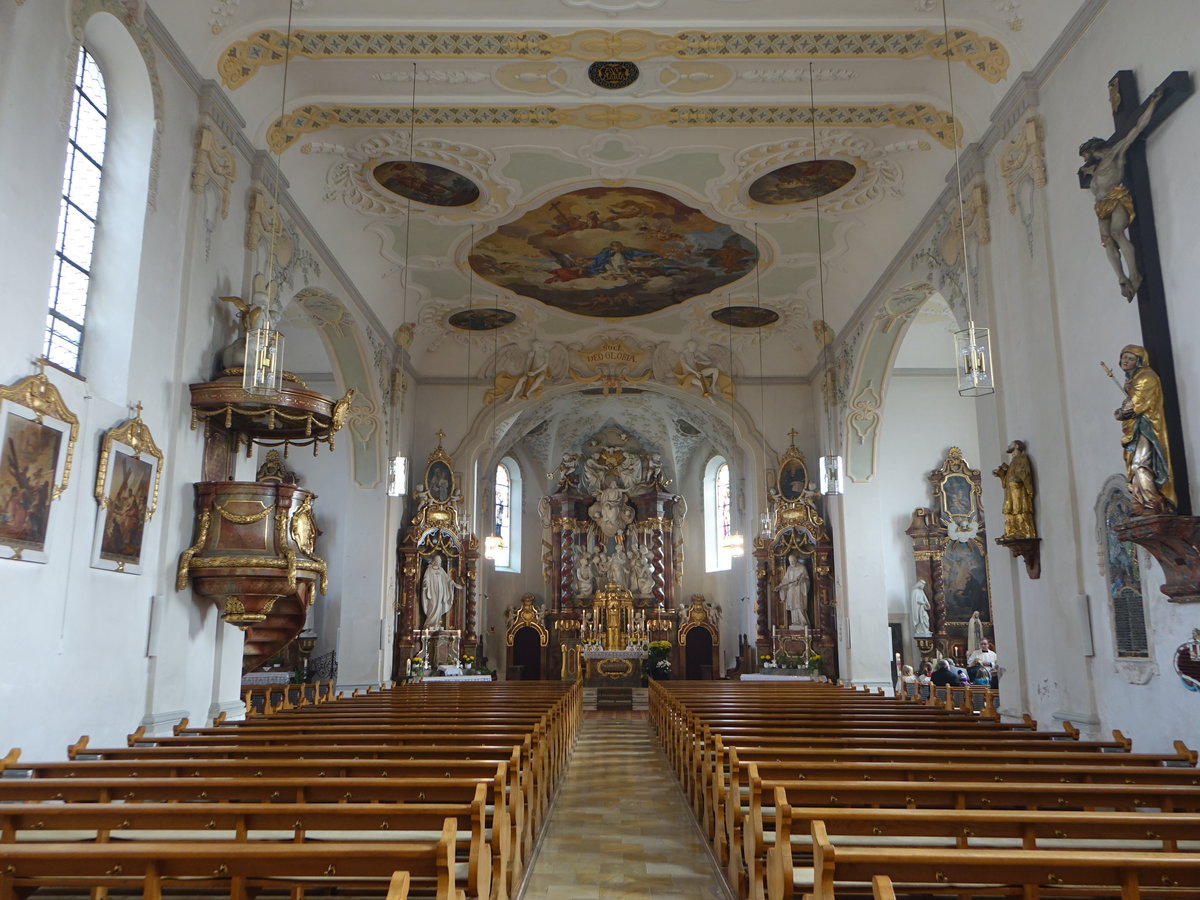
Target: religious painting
[
  {"x": 793, "y": 479},
  {"x": 426, "y": 183},
  {"x": 746, "y": 316},
  {"x": 127, "y": 482},
  {"x": 485, "y": 319},
  {"x": 439, "y": 481},
  {"x": 801, "y": 181},
  {"x": 28, "y": 463},
  {"x": 613, "y": 252},
  {"x": 965, "y": 581},
  {"x": 959, "y": 496}
]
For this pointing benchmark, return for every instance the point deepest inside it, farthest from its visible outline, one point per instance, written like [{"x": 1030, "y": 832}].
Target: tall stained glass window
[{"x": 77, "y": 216}]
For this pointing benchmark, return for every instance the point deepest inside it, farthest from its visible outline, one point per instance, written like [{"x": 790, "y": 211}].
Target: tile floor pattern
[{"x": 621, "y": 828}]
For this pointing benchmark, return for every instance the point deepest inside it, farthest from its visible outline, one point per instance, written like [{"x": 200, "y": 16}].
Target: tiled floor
[{"x": 621, "y": 828}]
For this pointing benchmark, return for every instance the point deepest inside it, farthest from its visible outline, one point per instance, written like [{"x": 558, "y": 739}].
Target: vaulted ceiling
[{"x": 591, "y": 165}]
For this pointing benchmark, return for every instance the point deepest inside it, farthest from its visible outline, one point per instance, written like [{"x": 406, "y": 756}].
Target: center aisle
[{"x": 620, "y": 828}]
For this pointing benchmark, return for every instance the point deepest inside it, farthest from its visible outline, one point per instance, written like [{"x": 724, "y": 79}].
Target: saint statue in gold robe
[{"x": 1144, "y": 436}]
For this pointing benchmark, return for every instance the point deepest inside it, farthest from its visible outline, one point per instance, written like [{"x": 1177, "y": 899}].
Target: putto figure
[{"x": 1144, "y": 436}]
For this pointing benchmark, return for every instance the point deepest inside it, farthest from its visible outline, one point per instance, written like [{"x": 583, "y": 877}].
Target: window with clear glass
[
  {"x": 503, "y": 524},
  {"x": 77, "y": 216},
  {"x": 718, "y": 521}
]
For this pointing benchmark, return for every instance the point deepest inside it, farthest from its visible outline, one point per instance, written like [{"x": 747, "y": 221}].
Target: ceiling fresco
[
  {"x": 802, "y": 181},
  {"x": 613, "y": 252},
  {"x": 426, "y": 183}
]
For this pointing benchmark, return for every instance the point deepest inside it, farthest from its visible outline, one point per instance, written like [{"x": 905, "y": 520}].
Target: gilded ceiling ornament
[
  {"x": 243, "y": 59},
  {"x": 285, "y": 131}
]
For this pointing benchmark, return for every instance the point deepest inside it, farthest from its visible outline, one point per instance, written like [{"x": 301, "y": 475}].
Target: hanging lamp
[
  {"x": 262, "y": 369},
  {"x": 734, "y": 544},
  {"x": 973, "y": 344},
  {"x": 829, "y": 478},
  {"x": 493, "y": 544},
  {"x": 398, "y": 465}
]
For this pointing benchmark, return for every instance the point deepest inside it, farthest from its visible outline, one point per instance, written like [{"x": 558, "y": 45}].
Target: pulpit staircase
[{"x": 264, "y": 639}]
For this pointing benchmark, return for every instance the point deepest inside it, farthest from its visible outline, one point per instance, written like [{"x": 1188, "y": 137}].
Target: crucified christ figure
[{"x": 1103, "y": 171}]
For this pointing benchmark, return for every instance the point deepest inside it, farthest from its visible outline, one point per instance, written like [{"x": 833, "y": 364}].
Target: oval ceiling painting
[
  {"x": 485, "y": 318},
  {"x": 745, "y": 316},
  {"x": 426, "y": 183},
  {"x": 613, "y": 252},
  {"x": 802, "y": 181}
]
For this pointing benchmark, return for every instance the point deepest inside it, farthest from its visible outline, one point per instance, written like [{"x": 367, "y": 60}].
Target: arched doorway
[
  {"x": 526, "y": 655},
  {"x": 698, "y": 655}
]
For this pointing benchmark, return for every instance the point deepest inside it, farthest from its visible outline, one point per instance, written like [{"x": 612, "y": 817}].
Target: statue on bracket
[
  {"x": 1144, "y": 436},
  {"x": 1020, "y": 528}
]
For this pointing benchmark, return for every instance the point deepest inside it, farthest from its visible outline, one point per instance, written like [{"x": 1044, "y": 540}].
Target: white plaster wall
[{"x": 1060, "y": 312}]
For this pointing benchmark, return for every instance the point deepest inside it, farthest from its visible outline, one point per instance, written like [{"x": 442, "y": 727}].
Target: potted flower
[
  {"x": 766, "y": 661},
  {"x": 658, "y": 666},
  {"x": 814, "y": 664},
  {"x": 468, "y": 664}
]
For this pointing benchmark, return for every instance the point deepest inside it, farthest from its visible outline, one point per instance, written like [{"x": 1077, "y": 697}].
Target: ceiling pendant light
[
  {"x": 493, "y": 544},
  {"x": 830, "y": 467},
  {"x": 398, "y": 465},
  {"x": 733, "y": 543},
  {"x": 262, "y": 369},
  {"x": 973, "y": 344}
]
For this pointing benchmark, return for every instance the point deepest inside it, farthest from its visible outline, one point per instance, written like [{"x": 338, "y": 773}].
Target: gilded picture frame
[
  {"x": 37, "y": 444},
  {"x": 128, "y": 478}
]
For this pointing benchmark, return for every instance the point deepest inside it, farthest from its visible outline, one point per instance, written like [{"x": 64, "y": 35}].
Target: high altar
[{"x": 613, "y": 536}]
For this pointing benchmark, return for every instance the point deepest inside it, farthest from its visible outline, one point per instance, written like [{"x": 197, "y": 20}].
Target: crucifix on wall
[{"x": 1116, "y": 172}]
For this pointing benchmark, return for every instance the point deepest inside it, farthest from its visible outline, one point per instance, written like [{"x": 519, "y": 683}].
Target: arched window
[
  {"x": 507, "y": 523},
  {"x": 78, "y": 211},
  {"x": 717, "y": 515}
]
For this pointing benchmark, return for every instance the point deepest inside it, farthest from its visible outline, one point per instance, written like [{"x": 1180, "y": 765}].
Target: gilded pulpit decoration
[
  {"x": 1020, "y": 525},
  {"x": 794, "y": 556},
  {"x": 37, "y": 443},
  {"x": 437, "y": 562},
  {"x": 127, "y": 484},
  {"x": 527, "y": 615}
]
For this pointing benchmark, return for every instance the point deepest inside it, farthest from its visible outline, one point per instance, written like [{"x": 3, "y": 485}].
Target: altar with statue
[
  {"x": 797, "y": 615},
  {"x": 613, "y": 533},
  {"x": 437, "y": 562}
]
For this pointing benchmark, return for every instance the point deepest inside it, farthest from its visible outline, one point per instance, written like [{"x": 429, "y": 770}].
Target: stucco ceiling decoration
[
  {"x": 613, "y": 252},
  {"x": 312, "y": 117},
  {"x": 353, "y": 181},
  {"x": 433, "y": 330},
  {"x": 878, "y": 175},
  {"x": 243, "y": 59}
]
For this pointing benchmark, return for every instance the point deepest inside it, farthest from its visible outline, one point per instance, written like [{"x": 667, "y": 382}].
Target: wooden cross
[{"x": 1128, "y": 114}]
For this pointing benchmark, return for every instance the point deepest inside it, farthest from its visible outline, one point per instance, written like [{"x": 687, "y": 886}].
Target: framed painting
[
  {"x": 439, "y": 481},
  {"x": 127, "y": 483},
  {"x": 37, "y": 441},
  {"x": 793, "y": 478}
]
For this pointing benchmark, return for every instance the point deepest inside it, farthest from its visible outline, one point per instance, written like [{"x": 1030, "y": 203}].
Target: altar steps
[{"x": 615, "y": 698}]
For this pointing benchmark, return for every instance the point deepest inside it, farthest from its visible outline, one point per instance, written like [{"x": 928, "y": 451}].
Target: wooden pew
[
  {"x": 1026, "y": 873},
  {"x": 240, "y": 867},
  {"x": 382, "y": 824},
  {"x": 980, "y": 829}
]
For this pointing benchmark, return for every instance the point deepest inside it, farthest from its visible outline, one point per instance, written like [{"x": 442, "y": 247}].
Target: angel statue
[
  {"x": 521, "y": 374},
  {"x": 234, "y": 354},
  {"x": 697, "y": 368}
]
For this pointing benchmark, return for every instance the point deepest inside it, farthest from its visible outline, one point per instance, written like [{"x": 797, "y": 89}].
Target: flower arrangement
[
  {"x": 814, "y": 662},
  {"x": 658, "y": 666},
  {"x": 468, "y": 661}
]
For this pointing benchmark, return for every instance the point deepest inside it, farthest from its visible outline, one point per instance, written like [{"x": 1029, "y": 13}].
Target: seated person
[
  {"x": 906, "y": 678},
  {"x": 979, "y": 675},
  {"x": 944, "y": 674},
  {"x": 924, "y": 675},
  {"x": 985, "y": 657}
]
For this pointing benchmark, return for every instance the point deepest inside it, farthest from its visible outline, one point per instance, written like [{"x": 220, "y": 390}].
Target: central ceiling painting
[{"x": 613, "y": 252}]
